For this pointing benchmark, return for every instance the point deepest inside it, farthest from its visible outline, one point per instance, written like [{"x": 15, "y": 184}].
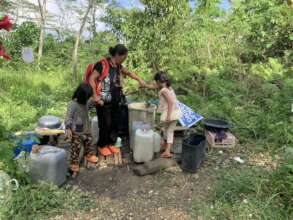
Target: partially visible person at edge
[
  {"x": 169, "y": 109},
  {"x": 108, "y": 95}
]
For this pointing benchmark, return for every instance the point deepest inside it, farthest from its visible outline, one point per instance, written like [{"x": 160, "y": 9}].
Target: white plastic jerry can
[
  {"x": 143, "y": 146},
  {"x": 49, "y": 165},
  {"x": 95, "y": 130},
  {"x": 135, "y": 125},
  {"x": 157, "y": 142}
]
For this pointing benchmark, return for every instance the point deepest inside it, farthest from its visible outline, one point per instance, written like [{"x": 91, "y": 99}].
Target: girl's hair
[
  {"x": 82, "y": 93},
  {"x": 119, "y": 49},
  {"x": 162, "y": 77}
]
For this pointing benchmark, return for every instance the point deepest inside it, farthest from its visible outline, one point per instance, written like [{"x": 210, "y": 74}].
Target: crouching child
[{"x": 77, "y": 126}]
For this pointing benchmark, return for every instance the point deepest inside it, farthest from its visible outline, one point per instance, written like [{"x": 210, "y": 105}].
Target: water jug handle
[{"x": 15, "y": 183}]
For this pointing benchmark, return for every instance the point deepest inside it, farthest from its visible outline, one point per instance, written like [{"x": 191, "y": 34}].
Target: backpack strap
[
  {"x": 105, "y": 73},
  {"x": 88, "y": 72}
]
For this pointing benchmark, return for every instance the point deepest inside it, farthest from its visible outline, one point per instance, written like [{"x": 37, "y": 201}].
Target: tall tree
[
  {"x": 42, "y": 8},
  {"x": 152, "y": 29},
  {"x": 77, "y": 40},
  {"x": 93, "y": 21}
]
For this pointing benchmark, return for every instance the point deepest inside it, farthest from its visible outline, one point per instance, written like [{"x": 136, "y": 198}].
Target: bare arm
[
  {"x": 170, "y": 103},
  {"x": 92, "y": 81},
  {"x": 133, "y": 76},
  {"x": 69, "y": 116},
  {"x": 151, "y": 86}
]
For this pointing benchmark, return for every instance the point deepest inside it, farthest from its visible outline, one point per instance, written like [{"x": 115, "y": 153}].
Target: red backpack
[{"x": 103, "y": 75}]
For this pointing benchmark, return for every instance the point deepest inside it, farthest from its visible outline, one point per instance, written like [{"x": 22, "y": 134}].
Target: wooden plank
[
  {"x": 120, "y": 158},
  {"x": 116, "y": 162},
  {"x": 48, "y": 132}
]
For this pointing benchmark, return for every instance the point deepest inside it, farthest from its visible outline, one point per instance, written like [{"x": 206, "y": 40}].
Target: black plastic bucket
[{"x": 193, "y": 150}]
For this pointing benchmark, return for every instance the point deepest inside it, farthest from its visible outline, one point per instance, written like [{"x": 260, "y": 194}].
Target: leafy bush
[
  {"x": 37, "y": 201},
  {"x": 254, "y": 193}
]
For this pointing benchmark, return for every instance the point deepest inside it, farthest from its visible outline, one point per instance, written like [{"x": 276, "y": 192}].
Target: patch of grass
[
  {"x": 252, "y": 193},
  {"x": 39, "y": 201},
  {"x": 29, "y": 93}
]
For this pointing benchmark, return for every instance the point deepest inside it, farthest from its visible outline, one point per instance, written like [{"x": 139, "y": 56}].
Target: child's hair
[
  {"x": 119, "y": 49},
  {"x": 82, "y": 93},
  {"x": 162, "y": 77}
]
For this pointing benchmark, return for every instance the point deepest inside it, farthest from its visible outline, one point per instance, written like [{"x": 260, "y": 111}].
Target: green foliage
[
  {"x": 223, "y": 64},
  {"x": 255, "y": 193},
  {"x": 149, "y": 33},
  {"x": 269, "y": 28},
  {"x": 38, "y": 201},
  {"x": 8, "y": 164},
  {"x": 25, "y": 35},
  {"x": 27, "y": 94}
]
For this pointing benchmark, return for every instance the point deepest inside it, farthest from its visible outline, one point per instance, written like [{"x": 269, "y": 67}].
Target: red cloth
[
  {"x": 3, "y": 54},
  {"x": 6, "y": 24}
]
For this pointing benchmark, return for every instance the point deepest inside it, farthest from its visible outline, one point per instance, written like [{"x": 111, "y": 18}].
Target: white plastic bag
[{"x": 27, "y": 55}]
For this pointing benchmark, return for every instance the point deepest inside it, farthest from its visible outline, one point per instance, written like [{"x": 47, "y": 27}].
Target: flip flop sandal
[
  {"x": 105, "y": 151},
  {"x": 91, "y": 158},
  {"x": 114, "y": 149},
  {"x": 90, "y": 161}
]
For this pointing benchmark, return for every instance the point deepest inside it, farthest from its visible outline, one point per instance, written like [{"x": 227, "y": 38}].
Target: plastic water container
[
  {"x": 157, "y": 142},
  {"x": 118, "y": 142},
  {"x": 140, "y": 111},
  {"x": 135, "y": 126},
  {"x": 143, "y": 146},
  {"x": 49, "y": 165},
  {"x": 95, "y": 130}
]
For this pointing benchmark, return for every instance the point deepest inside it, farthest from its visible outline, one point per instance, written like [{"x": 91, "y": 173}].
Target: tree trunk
[
  {"x": 94, "y": 29},
  {"x": 290, "y": 3},
  {"x": 209, "y": 48},
  {"x": 42, "y": 8},
  {"x": 76, "y": 46}
]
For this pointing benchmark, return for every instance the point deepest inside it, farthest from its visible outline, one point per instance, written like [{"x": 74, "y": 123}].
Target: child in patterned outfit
[{"x": 78, "y": 127}]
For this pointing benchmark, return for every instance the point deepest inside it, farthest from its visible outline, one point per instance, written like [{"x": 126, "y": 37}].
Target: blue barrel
[{"x": 193, "y": 152}]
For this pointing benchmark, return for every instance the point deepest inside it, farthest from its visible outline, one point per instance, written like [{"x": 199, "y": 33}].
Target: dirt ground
[{"x": 169, "y": 194}]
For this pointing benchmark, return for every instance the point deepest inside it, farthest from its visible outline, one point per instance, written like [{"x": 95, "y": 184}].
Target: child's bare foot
[
  {"x": 74, "y": 169},
  {"x": 166, "y": 155}
]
